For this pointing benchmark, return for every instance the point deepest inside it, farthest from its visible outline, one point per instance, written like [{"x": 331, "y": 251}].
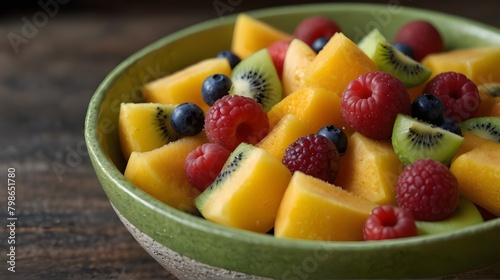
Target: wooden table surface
[{"x": 51, "y": 61}]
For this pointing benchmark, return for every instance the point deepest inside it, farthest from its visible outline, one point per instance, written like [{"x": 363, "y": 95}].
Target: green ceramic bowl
[{"x": 191, "y": 247}]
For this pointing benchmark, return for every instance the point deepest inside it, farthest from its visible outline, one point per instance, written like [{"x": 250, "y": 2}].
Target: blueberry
[
  {"x": 187, "y": 119},
  {"x": 319, "y": 43},
  {"x": 428, "y": 108},
  {"x": 214, "y": 87},
  {"x": 405, "y": 49},
  {"x": 336, "y": 135},
  {"x": 230, "y": 56},
  {"x": 451, "y": 125}
]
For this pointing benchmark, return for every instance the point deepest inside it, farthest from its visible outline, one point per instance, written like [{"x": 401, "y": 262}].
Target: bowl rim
[{"x": 103, "y": 163}]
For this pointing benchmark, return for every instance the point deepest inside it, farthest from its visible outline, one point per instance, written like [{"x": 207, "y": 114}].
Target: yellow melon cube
[
  {"x": 248, "y": 191},
  {"x": 480, "y": 64},
  {"x": 160, "y": 172},
  {"x": 251, "y": 34},
  {"x": 314, "y": 106},
  {"x": 297, "y": 58},
  {"x": 185, "y": 84},
  {"x": 478, "y": 175},
  {"x": 284, "y": 133},
  {"x": 337, "y": 64},
  {"x": 313, "y": 209},
  {"x": 471, "y": 141},
  {"x": 370, "y": 169}
]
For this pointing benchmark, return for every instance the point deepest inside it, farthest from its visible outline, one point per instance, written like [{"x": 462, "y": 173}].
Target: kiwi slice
[
  {"x": 257, "y": 78},
  {"x": 413, "y": 140},
  {"x": 486, "y": 127},
  {"x": 145, "y": 126},
  {"x": 465, "y": 215},
  {"x": 492, "y": 89},
  {"x": 390, "y": 60}
]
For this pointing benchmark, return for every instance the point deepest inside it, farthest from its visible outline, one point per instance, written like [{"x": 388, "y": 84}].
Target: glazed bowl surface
[{"x": 190, "y": 246}]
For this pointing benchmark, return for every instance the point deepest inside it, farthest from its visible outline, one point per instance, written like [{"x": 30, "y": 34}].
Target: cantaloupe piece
[
  {"x": 185, "y": 84},
  {"x": 490, "y": 100},
  {"x": 298, "y": 56},
  {"x": 160, "y": 172},
  {"x": 314, "y": 106},
  {"x": 370, "y": 169},
  {"x": 337, "y": 64},
  {"x": 471, "y": 141},
  {"x": 478, "y": 176},
  {"x": 315, "y": 210},
  {"x": 284, "y": 133},
  {"x": 247, "y": 192},
  {"x": 480, "y": 64},
  {"x": 251, "y": 34}
]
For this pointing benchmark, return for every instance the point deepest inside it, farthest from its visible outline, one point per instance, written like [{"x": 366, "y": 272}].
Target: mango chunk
[
  {"x": 315, "y": 210},
  {"x": 297, "y": 58},
  {"x": 478, "y": 175}
]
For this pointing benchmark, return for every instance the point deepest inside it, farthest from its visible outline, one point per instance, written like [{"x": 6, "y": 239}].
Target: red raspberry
[
  {"x": 204, "y": 163},
  {"x": 428, "y": 189},
  {"x": 233, "y": 119},
  {"x": 459, "y": 95},
  {"x": 277, "y": 51},
  {"x": 371, "y": 103},
  {"x": 389, "y": 222},
  {"x": 422, "y": 37},
  {"x": 315, "y": 27},
  {"x": 314, "y": 155}
]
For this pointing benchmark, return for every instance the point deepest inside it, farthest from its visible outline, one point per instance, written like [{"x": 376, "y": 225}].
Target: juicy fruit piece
[
  {"x": 314, "y": 27},
  {"x": 478, "y": 175},
  {"x": 337, "y": 136},
  {"x": 486, "y": 127},
  {"x": 428, "y": 189},
  {"x": 465, "y": 215},
  {"x": 370, "y": 169},
  {"x": 460, "y": 96},
  {"x": 204, "y": 164},
  {"x": 428, "y": 108},
  {"x": 215, "y": 87},
  {"x": 338, "y": 63},
  {"x": 144, "y": 126},
  {"x": 234, "y": 119},
  {"x": 187, "y": 119},
  {"x": 315, "y": 210},
  {"x": 309, "y": 105},
  {"x": 231, "y": 57},
  {"x": 413, "y": 140},
  {"x": 371, "y": 103},
  {"x": 256, "y": 77},
  {"x": 479, "y": 64},
  {"x": 471, "y": 141},
  {"x": 277, "y": 50},
  {"x": 490, "y": 100},
  {"x": 242, "y": 195},
  {"x": 297, "y": 58},
  {"x": 389, "y": 222},
  {"x": 284, "y": 133},
  {"x": 390, "y": 60},
  {"x": 185, "y": 84},
  {"x": 251, "y": 34},
  {"x": 422, "y": 36},
  {"x": 160, "y": 172},
  {"x": 314, "y": 155}
]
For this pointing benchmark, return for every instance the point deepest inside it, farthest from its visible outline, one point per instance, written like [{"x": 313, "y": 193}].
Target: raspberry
[
  {"x": 371, "y": 103},
  {"x": 315, "y": 27},
  {"x": 314, "y": 155},
  {"x": 204, "y": 163},
  {"x": 460, "y": 95},
  {"x": 422, "y": 37},
  {"x": 277, "y": 51},
  {"x": 389, "y": 222},
  {"x": 234, "y": 119},
  {"x": 428, "y": 189}
]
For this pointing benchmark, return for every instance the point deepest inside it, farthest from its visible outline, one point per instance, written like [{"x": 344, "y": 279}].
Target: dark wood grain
[{"x": 66, "y": 228}]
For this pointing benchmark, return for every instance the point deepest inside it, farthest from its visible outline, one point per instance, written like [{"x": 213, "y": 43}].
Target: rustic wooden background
[{"x": 66, "y": 228}]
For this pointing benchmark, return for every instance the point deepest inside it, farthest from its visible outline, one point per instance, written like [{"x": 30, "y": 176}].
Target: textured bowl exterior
[{"x": 258, "y": 254}]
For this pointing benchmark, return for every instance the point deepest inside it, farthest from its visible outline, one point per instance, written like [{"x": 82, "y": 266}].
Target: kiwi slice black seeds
[
  {"x": 486, "y": 127},
  {"x": 426, "y": 139}
]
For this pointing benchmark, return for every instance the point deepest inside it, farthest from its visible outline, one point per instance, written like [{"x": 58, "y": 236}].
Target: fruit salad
[{"x": 311, "y": 135}]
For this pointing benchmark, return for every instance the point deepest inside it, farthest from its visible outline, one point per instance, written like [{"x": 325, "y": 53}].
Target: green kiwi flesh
[
  {"x": 257, "y": 78},
  {"x": 413, "y": 140},
  {"x": 465, "y": 215},
  {"x": 391, "y": 60},
  {"x": 486, "y": 127},
  {"x": 492, "y": 89}
]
